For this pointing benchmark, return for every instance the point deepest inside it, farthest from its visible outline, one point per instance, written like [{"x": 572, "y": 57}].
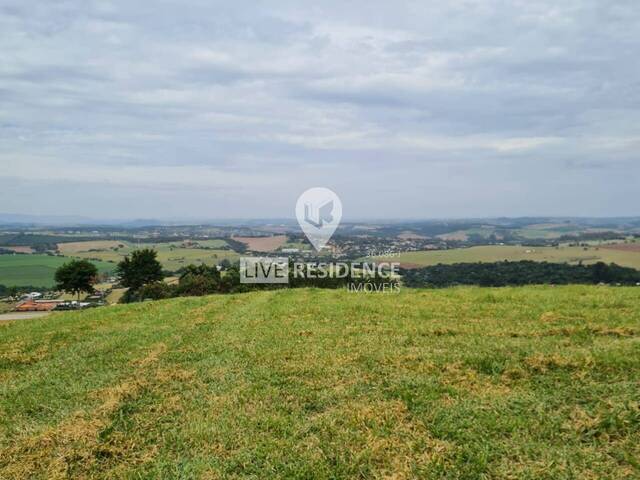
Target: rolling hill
[{"x": 535, "y": 382}]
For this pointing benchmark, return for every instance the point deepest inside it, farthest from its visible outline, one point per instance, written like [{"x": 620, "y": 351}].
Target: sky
[{"x": 425, "y": 109}]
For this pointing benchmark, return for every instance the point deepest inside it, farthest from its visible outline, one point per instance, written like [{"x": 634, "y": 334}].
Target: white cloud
[{"x": 247, "y": 96}]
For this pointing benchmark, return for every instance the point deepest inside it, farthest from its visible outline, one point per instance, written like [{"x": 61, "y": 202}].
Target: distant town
[{"x": 31, "y": 254}]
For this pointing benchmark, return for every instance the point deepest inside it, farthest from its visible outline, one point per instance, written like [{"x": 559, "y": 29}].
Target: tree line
[
  {"x": 524, "y": 272},
  {"x": 197, "y": 280},
  {"x": 142, "y": 275}
]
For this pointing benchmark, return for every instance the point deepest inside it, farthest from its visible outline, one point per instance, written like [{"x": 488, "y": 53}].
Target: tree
[
  {"x": 230, "y": 283},
  {"x": 156, "y": 291},
  {"x": 197, "y": 285},
  {"x": 140, "y": 268},
  {"x": 198, "y": 280},
  {"x": 204, "y": 270},
  {"x": 76, "y": 276},
  {"x": 601, "y": 273}
]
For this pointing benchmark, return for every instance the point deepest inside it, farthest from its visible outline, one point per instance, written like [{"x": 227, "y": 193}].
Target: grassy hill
[{"x": 460, "y": 383}]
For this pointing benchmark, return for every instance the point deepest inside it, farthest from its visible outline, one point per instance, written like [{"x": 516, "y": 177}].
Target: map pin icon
[{"x": 319, "y": 211}]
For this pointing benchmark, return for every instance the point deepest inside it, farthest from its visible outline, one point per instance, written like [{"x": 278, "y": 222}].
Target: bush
[
  {"x": 196, "y": 285},
  {"x": 156, "y": 291},
  {"x": 203, "y": 270}
]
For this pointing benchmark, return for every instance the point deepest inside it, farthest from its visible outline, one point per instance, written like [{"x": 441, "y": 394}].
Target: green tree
[
  {"x": 230, "y": 282},
  {"x": 156, "y": 291},
  {"x": 601, "y": 273},
  {"x": 197, "y": 285},
  {"x": 202, "y": 269},
  {"x": 76, "y": 276},
  {"x": 139, "y": 268},
  {"x": 199, "y": 280}
]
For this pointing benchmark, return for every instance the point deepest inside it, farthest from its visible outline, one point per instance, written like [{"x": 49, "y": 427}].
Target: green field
[
  {"x": 547, "y": 231},
  {"x": 536, "y": 383},
  {"x": 498, "y": 253},
  {"x": 172, "y": 255},
  {"x": 35, "y": 270},
  {"x": 299, "y": 245}
]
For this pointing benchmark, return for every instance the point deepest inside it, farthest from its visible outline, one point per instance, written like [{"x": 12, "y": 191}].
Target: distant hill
[
  {"x": 70, "y": 220},
  {"x": 17, "y": 219}
]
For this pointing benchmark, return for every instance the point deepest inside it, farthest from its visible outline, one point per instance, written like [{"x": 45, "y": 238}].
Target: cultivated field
[
  {"x": 498, "y": 253},
  {"x": 172, "y": 255},
  {"x": 18, "y": 249},
  {"x": 263, "y": 244},
  {"x": 537, "y": 383},
  {"x": 548, "y": 231},
  {"x": 69, "y": 248},
  {"x": 625, "y": 247},
  {"x": 36, "y": 270}
]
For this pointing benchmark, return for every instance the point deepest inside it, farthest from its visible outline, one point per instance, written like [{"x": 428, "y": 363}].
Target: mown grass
[{"x": 460, "y": 383}]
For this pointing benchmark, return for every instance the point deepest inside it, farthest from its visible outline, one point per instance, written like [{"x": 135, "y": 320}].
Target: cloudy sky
[{"x": 429, "y": 109}]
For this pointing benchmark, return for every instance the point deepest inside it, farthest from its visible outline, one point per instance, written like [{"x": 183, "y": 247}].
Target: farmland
[
  {"x": 263, "y": 244},
  {"x": 533, "y": 382},
  {"x": 36, "y": 270},
  {"x": 497, "y": 253},
  {"x": 172, "y": 255},
  {"x": 70, "y": 248}
]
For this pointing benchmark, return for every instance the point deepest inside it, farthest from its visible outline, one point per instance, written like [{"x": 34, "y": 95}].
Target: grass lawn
[
  {"x": 535, "y": 382},
  {"x": 36, "y": 270},
  {"x": 497, "y": 253}
]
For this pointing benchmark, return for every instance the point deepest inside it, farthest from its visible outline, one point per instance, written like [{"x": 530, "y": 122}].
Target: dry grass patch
[{"x": 73, "y": 448}]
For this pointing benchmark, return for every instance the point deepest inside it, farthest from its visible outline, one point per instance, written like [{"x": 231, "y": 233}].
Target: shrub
[
  {"x": 156, "y": 291},
  {"x": 195, "y": 285}
]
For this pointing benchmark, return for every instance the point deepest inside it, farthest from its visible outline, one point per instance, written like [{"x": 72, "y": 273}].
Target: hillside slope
[{"x": 510, "y": 383}]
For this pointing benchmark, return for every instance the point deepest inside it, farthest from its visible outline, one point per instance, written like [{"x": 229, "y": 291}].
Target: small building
[{"x": 31, "y": 305}]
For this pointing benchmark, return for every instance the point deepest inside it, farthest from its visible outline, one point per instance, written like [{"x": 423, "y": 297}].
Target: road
[{"x": 21, "y": 315}]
